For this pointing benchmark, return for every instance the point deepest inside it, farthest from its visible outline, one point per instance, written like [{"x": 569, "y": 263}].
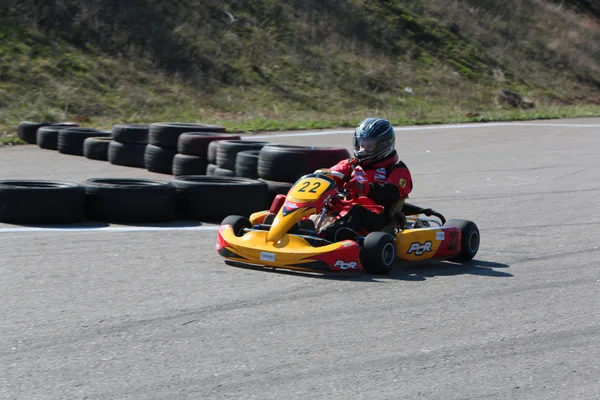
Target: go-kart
[{"x": 280, "y": 238}]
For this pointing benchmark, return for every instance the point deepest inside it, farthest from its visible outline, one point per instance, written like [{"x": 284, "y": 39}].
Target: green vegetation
[{"x": 255, "y": 65}]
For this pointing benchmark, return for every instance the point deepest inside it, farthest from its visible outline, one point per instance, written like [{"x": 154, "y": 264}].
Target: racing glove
[{"x": 358, "y": 187}]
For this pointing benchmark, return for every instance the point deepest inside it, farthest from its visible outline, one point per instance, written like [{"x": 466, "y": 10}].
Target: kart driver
[{"x": 375, "y": 177}]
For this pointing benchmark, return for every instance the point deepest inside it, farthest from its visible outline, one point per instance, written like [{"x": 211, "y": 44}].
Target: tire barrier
[
  {"x": 41, "y": 202},
  {"x": 70, "y": 140},
  {"x": 287, "y": 163},
  {"x": 246, "y": 164},
  {"x": 129, "y": 200},
  {"x": 96, "y": 148},
  {"x": 126, "y": 154},
  {"x": 128, "y": 146},
  {"x": 212, "y": 198},
  {"x": 159, "y": 159},
  {"x": 184, "y": 164},
  {"x": 192, "y": 150},
  {"x": 227, "y": 151},
  {"x": 47, "y": 136},
  {"x": 131, "y": 133},
  {"x": 210, "y": 169},
  {"x": 166, "y": 134},
  {"x": 276, "y": 188},
  {"x": 211, "y": 152},
  {"x": 27, "y": 130},
  {"x": 222, "y": 172},
  {"x": 196, "y": 143}
]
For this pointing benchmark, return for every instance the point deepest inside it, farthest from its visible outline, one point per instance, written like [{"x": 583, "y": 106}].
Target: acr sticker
[
  {"x": 440, "y": 236},
  {"x": 345, "y": 265},
  {"x": 266, "y": 256},
  {"x": 419, "y": 249}
]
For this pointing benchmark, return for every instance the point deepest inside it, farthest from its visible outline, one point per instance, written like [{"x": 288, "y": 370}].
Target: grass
[{"x": 284, "y": 66}]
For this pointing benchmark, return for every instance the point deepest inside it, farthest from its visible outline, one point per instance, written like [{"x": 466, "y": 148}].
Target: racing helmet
[{"x": 374, "y": 140}]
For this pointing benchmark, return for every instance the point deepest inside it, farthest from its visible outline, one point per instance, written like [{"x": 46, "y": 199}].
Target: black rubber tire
[
  {"x": 223, "y": 172},
  {"x": 196, "y": 143},
  {"x": 211, "y": 152},
  {"x": 47, "y": 137},
  {"x": 27, "y": 130},
  {"x": 287, "y": 163},
  {"x": 159, "y": 159},
  {"x": 96, "y": 148},
  {"x": 184, "y": 164},
  {"x": 246, "y": 164},
  {"x": 378, "y": 253},
  {"x": 70, "y": 140},
  {"x": 166, "y": 134},
  {"x": 211, "y": 168},
  {"x": 276, "y": 188},
  {"x": 131, "y": 133},
  {"x": 129, "y": 200},
  {"x": 227, "y": 151},
  {"x": 238, "y": 223},
  {"x": 41, "y": 202},
  {"x": 126, "y": 154},
  {"x": 470, "y": 239},
  {"x": 212, "y": 198}
]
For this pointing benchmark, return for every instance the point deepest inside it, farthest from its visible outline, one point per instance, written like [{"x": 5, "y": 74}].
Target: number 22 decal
[{"x": 305, "y": 185}]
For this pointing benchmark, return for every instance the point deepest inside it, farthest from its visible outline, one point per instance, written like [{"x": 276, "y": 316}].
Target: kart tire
[
  {"x": 227, "y": 151},
  {"x": 212, "y": 198},
  {"x": 378, "y": 253},
  {"x": 246, "y": 164},
  {"x": 238, "y": 223},
  {"x": 470, "y": 239},
  {"x": 166, "y": 134},
  {"x": 131, "y": 133},
  {"x": 96, "y": 148},
  {"x": 196, "y": 143},
  {"x": 129, "y": 200},
  {"x": 287, "y": 163},
  {"x": 41, "y": 202},
  {"x": 70, "y": 140},
  {"x": 184, "y": 164},
  {"x": 159, "y": 159},
  {"x": 210, "y": 169}
]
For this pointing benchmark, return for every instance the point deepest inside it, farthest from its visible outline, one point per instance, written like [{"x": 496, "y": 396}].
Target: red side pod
[
  {"x": 220, "y": 241},
  {"x": 450, "y": 246},
  {"x": 346, "y": 258}
]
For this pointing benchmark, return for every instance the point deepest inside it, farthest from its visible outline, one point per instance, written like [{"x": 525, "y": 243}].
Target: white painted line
[
  {"x": 423, "y": 128},
  {"x": 28, "y": 229}
]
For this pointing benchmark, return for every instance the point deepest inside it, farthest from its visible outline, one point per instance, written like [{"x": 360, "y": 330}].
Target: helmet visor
[{"x": 367, "y": 145}]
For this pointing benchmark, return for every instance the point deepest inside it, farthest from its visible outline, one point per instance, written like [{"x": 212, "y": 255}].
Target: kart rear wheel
[
  {"x": 469, "y": 244},
  {"x": 378, "y": 253},
  {"x": 238, "y": 223}
]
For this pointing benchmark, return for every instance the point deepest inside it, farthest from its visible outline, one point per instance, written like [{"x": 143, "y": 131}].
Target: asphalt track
[{"x": 151, "y": 312}]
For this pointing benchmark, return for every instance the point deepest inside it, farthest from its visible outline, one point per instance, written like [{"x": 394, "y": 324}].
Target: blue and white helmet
[{"x": 374, "y": 140}]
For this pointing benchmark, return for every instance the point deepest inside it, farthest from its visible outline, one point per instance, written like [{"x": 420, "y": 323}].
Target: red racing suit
[{"x": 389, "y": 180}]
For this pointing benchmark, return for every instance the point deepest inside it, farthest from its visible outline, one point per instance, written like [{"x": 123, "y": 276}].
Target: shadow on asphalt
[{"x": 402, "y": 272}]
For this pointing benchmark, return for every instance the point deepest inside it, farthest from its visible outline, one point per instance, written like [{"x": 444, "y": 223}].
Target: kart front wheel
[
  {"x": 238, "y": 223},
  {"x": 469, "y": 244},
  {"x": 378, "y": 253}
]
